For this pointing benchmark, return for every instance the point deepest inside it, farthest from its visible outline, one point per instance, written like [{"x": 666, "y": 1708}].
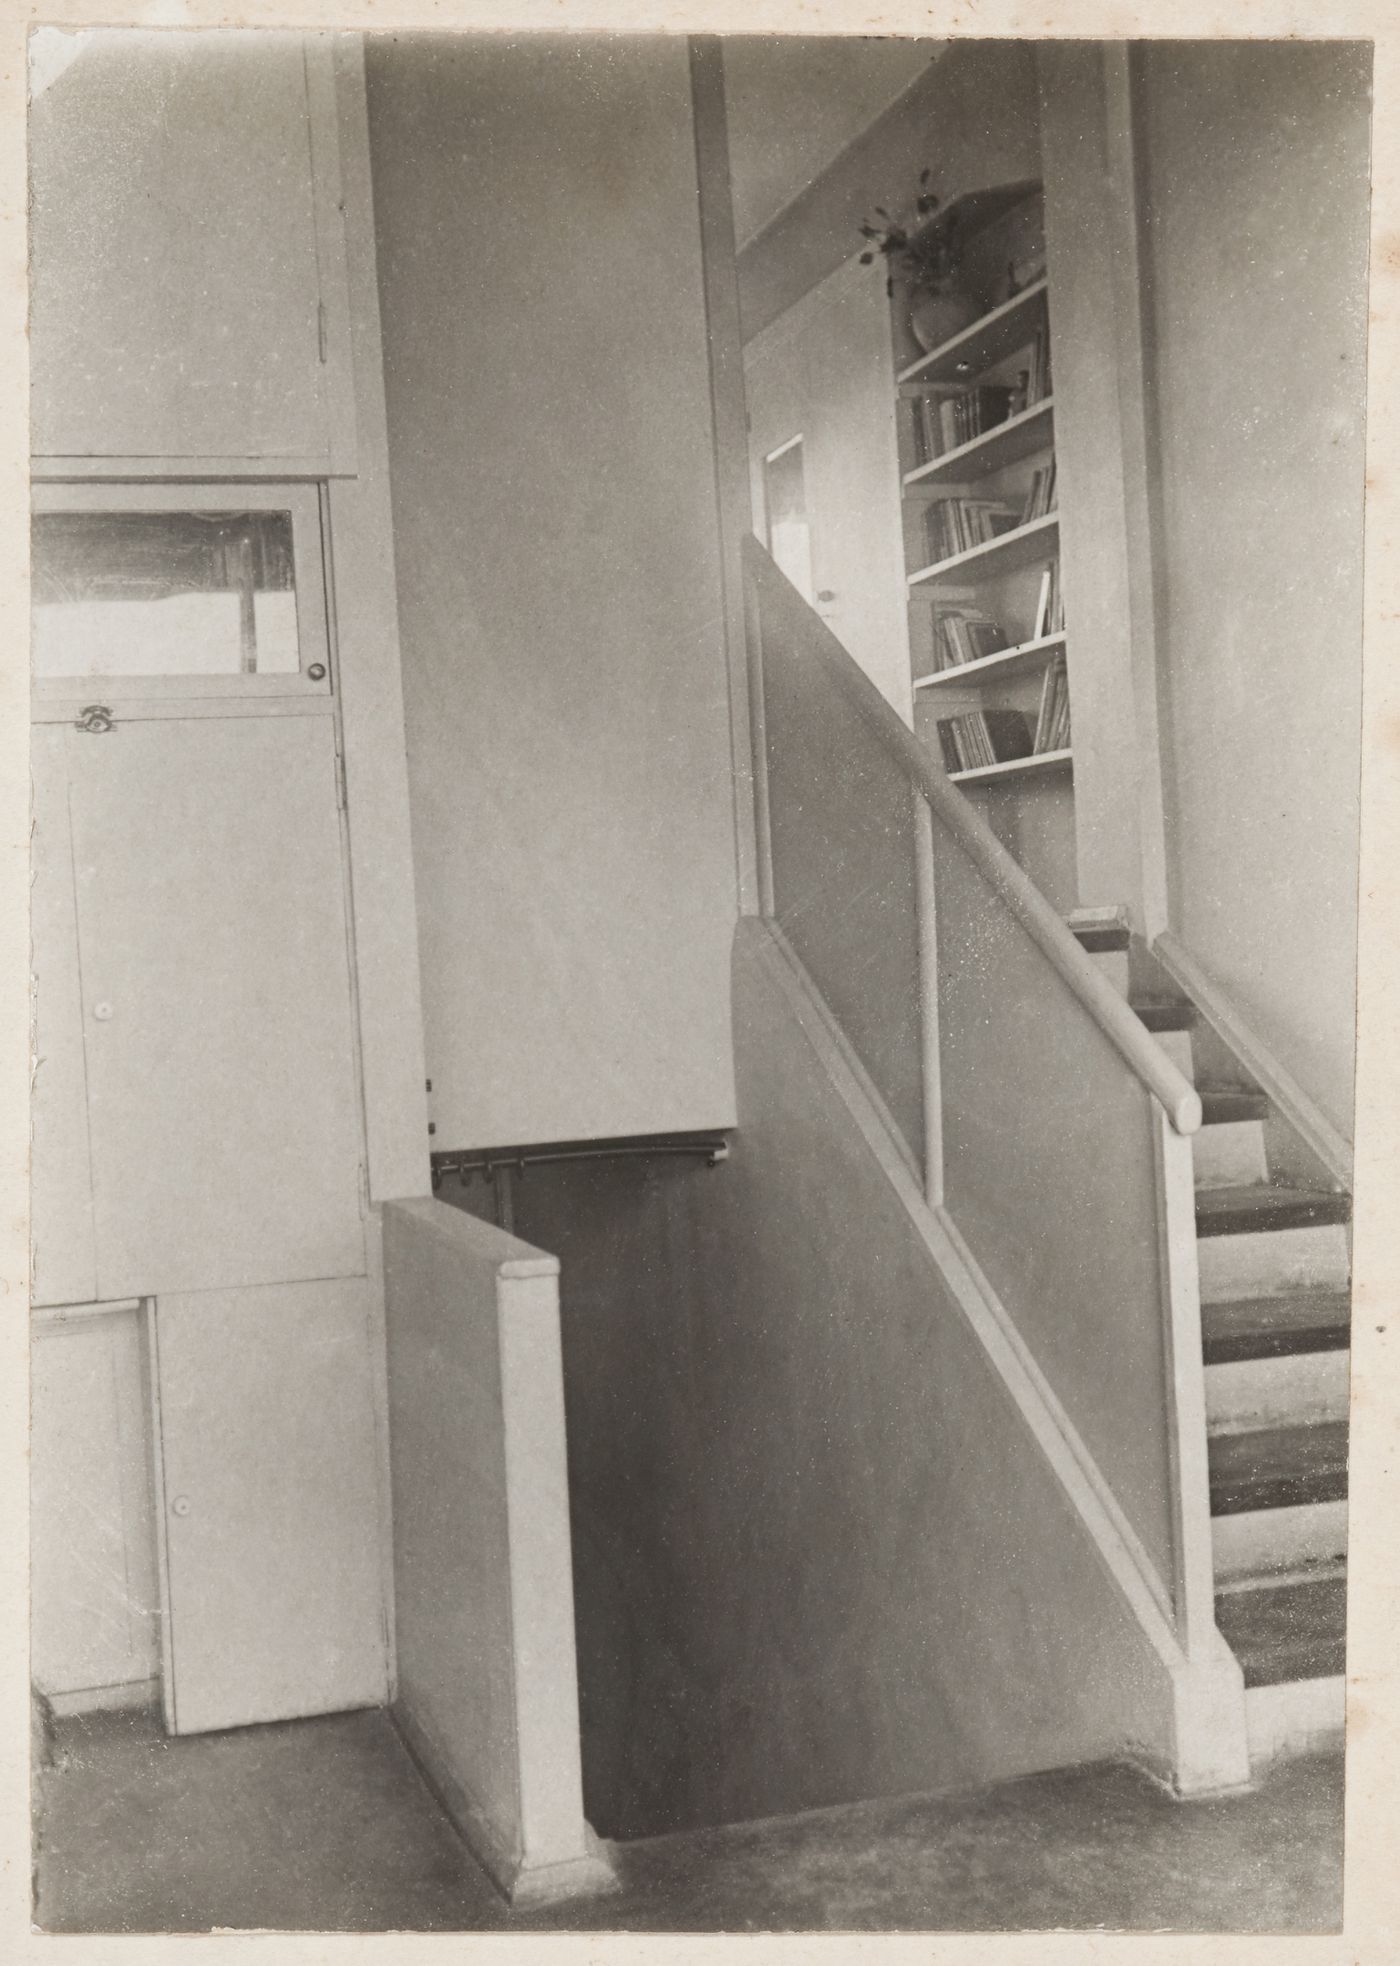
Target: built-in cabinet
[
  {"x": 188, "y": 295},
  {"x": 208, "y": 1445}
]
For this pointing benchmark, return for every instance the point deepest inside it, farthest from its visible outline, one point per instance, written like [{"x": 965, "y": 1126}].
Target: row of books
[
  {"x": 964, "y": 634},
  {"x": 984, "y": 737},
  {"x": 967, "y": 633},
  {"x": 948, "y": 418},
  {"x": 956, "y": 525},
  {"x": 980, "y": 738},
  {"x": 948, "y": 415}
]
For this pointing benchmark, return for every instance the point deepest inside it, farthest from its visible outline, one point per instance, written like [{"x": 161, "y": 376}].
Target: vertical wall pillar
[
  {"x": 730, "y": 421},
  {"x": 1102, "y": 438}
]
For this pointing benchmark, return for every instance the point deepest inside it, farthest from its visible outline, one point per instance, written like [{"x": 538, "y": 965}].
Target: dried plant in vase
[{"x": 925, "y": 260}]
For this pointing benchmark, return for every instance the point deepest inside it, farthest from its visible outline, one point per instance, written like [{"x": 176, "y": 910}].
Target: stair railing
[
  {"x": 1043, "y": 1117},
  {"x": 1145, "y": 1058}
]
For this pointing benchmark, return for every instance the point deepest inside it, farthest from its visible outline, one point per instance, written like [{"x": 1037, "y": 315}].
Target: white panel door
[
  {"x": 175, "y": 288},
  {"x": 824, "y": 371},
  {"x": 61, "y": 1233},
  {"x": 268, "y": 1481},
  {"x": 93, "y": 1583},
  {"x": 223, "y": 1104}
]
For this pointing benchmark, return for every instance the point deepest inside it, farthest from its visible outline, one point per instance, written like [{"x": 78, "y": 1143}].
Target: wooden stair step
[
  {"x": 1275, "y": 1327},
  {"x": 1225, "y": 1105},
  {"x": 1287, "y": 1631},
  {"x": 1167, "y": 1016},
  {"x": 1278, "y": 1467},
  {"x": 1246, "y": 1211}
]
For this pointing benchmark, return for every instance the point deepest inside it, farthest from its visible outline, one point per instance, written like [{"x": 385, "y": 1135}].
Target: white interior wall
[
  {"x": 555, "y": 529},
  {"x": 794, "y": 100},
  {"x": 1257, "y": 165}
]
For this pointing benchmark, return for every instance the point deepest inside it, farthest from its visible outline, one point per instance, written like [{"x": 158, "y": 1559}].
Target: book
[{"x": 1042, "y": 606}]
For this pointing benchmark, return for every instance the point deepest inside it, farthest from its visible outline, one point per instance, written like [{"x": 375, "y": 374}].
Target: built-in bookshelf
[{"x": 987, "y": 631}]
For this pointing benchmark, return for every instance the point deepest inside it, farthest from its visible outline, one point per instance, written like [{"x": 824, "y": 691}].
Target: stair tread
[
  {"x": 1226, "y": 1105},
  {"x": 1278, "y": 1467},
  {"x": 1166, "y": 1016},
  {"x": 1276, "y": 1327},
  {"x": 1285, "y": 1632},
  {"x": 1243, "y": 1211}
]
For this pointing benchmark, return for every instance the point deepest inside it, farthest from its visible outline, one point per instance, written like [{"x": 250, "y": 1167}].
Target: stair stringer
[{"x": 1189, "y": 1710}]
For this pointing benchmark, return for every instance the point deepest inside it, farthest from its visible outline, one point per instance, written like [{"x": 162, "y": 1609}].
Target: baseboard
[
  {"x": 1202, "y": 1747},
  {"x": 518, "y": 1878},
  {"x": 126, "y": 1693}
]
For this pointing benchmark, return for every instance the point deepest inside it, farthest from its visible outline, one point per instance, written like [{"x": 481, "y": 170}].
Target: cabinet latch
[{"x": 96, "y": 717}]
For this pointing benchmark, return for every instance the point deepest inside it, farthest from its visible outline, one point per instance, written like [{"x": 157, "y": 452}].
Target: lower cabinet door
[
  {"x": 93, "y": 1621},
  {"x": 268, "y": 1480}
]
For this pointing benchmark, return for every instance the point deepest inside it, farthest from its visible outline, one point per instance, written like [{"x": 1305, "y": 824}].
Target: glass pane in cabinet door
[{"x": 164, "y": 594}]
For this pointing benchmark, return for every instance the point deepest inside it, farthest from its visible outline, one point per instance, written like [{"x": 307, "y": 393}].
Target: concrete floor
[{"x": 324, "y": 1825}]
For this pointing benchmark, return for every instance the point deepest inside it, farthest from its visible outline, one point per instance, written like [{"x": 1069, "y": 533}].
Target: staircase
[{"x": 1274, "y": 1266}]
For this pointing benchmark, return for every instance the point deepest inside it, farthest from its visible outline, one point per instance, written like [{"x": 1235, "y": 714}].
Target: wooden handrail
[{"x": 1123, "y": 1029}]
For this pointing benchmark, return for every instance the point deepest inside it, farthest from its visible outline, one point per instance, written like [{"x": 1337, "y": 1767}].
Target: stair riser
[
  {"x": 1273, "y": 1263},
  {"x": 1231, "y": 1155},
  {"x": 1262, "y": 1392},
  {"x": 1298, "y": 1718},
  {"x": 1263, "y": 1542},
  {"x": 1112, "y": 965},
  {"x": 1177, "y": 1045}
]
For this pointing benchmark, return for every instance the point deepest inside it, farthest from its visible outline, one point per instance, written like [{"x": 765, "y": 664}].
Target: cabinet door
[
  {"x": 175, "y": 291},
  {"x": 268, "y": 1481},
  {"x": 223, "y": 1105},
  {"x": 61, "y": 1233},
  {"x": 93, "y": 1585}
]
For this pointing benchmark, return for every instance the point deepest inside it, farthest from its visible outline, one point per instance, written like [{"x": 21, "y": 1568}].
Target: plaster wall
[
  {"x": 1255, "y": 197},
  {"x": 553, "y": 481}
]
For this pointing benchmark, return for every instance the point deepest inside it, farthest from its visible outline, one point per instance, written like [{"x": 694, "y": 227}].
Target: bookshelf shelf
[
  {"x": 994, "y": 668},
  {"x": 1004, "y": 443},
  {"x": 999, "y": 701},
  {"x": 1016, "y": 767},
  {"x": 996, "y": 334},
  {"x": 1009, "y": 554}
]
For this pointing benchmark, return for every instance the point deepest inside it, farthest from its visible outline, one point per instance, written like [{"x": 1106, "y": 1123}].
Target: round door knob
[
  {"x": 317, "y": 672},
  {"x": 181, "y": 1505},
  {"x": 102, "y": 1012}
]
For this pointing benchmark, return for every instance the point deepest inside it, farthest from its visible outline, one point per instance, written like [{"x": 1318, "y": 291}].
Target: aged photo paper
[{"x": 691, "y": 769}]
